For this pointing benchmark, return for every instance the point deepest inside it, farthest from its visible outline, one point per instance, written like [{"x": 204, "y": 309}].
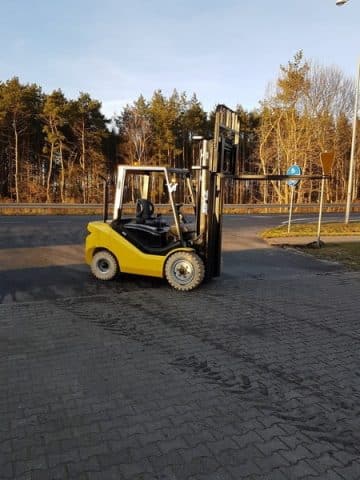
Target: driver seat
[{"x": 144, "y": 211}]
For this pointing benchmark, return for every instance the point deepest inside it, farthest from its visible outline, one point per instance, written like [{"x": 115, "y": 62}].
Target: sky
[{"x": 226, "y": 51}]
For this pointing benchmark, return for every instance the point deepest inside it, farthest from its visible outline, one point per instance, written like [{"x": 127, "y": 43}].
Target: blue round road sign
[{"x": 293, "y": 170}]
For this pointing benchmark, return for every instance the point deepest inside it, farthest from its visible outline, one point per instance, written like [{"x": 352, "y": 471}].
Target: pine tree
[
  {"x": 19, "y": 108},
  {"x": 88, "y": 126},
  {"x": 54, "y": 118}
]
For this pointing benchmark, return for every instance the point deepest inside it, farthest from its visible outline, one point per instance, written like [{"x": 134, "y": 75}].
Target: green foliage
[
  {"x": 54, "y": 149},
  {"x": 159, "y": 131},
  {"x": 20, "y": 106},
  {"x": 50, "y": 148},
  {"x": 293, "y": 83}
]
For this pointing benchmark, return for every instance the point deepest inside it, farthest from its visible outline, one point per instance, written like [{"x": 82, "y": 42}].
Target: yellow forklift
[{"x": 137, "y": 240}]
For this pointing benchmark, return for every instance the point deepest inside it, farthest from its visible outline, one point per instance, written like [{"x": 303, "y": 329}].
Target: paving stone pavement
[{"x": 252, "y": 379}]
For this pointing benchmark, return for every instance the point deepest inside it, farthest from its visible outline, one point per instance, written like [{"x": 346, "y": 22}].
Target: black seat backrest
[{"x": 144, "y": 210}]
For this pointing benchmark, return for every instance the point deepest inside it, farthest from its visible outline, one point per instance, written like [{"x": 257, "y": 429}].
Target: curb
[{"x": 310, "y": 240}]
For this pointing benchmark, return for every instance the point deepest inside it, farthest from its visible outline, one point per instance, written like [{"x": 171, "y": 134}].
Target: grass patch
[
  {"x": 310, "y": 229},
  {"x": 347, "y": 253}
]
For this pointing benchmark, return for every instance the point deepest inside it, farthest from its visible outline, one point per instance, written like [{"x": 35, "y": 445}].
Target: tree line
[
  {"x": 54, "y": 149},
  {"x": 51, "y": 148}
]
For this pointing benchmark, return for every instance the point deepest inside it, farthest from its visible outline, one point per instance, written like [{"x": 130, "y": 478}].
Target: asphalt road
[
  {"x": 252, "y": 376},
  {"x": 41, "y": 257}
]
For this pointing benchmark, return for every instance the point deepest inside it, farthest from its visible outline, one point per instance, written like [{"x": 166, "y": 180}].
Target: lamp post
[
  {"x": 353, "y": 147},
  {"x": 353, "y": 140}
]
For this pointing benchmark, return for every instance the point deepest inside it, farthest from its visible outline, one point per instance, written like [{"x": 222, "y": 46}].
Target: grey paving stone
[
  {"x": 272, "y": 446},
  {"x": 135, "y": 469},
  {"x": 240, "y": 380},
  {"x": 7, "y": 470},
  {"x": 302, "y": 470},
  {"x": 245, "y": 470},
  {"x": 175, "y": 444},
  {"x": 350, "y": 472},
  {"x": 271, "y": 462}
]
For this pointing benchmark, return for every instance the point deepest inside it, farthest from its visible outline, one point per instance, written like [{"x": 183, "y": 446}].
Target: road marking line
[{"x": 294, "y": 220}]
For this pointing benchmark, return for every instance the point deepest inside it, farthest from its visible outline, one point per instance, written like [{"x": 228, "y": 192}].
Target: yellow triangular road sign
[{"x": 327, "y": 159}]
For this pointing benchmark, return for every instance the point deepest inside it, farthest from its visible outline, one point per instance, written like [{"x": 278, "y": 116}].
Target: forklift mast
[{"x": 218, "y": 157}]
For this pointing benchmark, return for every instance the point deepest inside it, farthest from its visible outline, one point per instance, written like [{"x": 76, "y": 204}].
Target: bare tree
[{"x": 300, "y": 120}]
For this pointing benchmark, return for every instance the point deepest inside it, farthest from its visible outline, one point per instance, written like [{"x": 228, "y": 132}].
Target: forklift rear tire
[
  {"x": 104, "y": 265},
  {"x": 184, "y": 270}
]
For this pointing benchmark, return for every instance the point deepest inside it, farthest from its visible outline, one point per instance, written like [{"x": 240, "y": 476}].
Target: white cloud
[{"x": 114, "y": 107}]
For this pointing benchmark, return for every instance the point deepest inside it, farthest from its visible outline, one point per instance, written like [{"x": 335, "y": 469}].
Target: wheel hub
[
  {"x": 103, "y": 265},
  {"x": 183, "y": 271}
]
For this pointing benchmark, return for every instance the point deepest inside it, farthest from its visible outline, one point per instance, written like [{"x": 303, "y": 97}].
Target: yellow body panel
[{"x": 130, "y": 258}]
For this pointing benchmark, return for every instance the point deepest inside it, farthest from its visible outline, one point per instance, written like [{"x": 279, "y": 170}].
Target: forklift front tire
[
  {"x": 104, "y": 265},
  {"x": 184, "y": 270}
]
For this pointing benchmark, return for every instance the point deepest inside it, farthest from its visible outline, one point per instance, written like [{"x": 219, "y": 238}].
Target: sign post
[
  {"x": 291, "y": 207},
  {"x": 318, "y": 241},
  {"x": 293, "y": 170},
  {"x": 327, "y": 159}
]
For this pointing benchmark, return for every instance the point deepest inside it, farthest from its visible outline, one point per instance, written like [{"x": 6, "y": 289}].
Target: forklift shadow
[
  {"x": 28, "y": 283},
  {"x": 42, "y": 283},
  {"x": 73, "y": 280},
  {"x": 271, "y": 263},
  {"x": 139, "y": 281}
]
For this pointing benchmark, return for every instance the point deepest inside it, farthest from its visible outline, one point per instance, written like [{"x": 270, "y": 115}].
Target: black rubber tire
[
  {"x": 184, "y": 270},
  {"x": 104, "y": 265}
]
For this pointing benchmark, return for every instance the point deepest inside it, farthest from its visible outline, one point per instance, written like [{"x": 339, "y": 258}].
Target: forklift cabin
[{"x": 168, "y": 245}]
